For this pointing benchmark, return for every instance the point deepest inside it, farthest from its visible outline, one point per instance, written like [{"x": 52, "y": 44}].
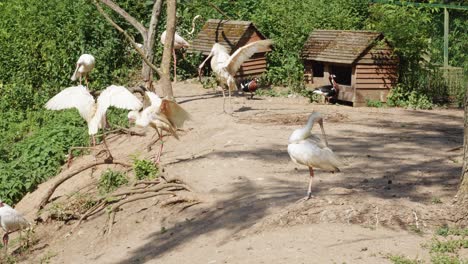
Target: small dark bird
[
  {"x": 249, "y": 86},
  {"x": 329, "y": 91}
]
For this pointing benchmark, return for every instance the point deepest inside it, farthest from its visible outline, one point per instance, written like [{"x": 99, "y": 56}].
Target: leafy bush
[
  {"x": 111, "y": 180},
  {"x": 399, "y": 96},
  {"x": 144, "y": 169},
  {"x": 374, "y": 103}
]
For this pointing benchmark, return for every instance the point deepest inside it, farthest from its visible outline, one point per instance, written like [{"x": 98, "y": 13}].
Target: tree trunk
[
  {"x": 461, "y": 213},
  {"x": 168, "y": 48},
  {"x": 147, "y": 72}
]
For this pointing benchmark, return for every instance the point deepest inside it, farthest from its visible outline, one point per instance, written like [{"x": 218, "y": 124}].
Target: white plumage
[
  {"x": 225, "y": 66},
  {"x": 11, "y": 221},
  {"x": 179, "y": 42},
  {"x": 309, "y": 150},
  {"x": 162, "y": 115},
  {"x": 94, "y": 113},
  {"x": 84, "y": 65}
]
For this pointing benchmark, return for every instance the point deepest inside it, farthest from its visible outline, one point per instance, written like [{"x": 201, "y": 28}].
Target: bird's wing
[
  {"x": 242, "y": 54},
  {"x": 174, "y": 113},
  {"x": 160, "y": 121},
  {"x": 73, "y": 97},
  {"x": 117, "y": 96},
  {"x": 154, "y": 99}
]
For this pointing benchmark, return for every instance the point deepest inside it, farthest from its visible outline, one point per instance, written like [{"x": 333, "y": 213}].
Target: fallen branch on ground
[{"x": 68, "y": 176}]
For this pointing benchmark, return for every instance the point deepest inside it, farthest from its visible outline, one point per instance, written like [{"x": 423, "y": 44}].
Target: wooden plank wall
[{"x": 375, "y": 74}]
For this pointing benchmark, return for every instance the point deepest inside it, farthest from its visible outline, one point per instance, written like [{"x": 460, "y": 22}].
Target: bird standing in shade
[
  {"x": 11, "y": 221},
  {"x": 84, "y": 65},
  {"x": 312, "y": 151},
  {"x": 162, "y": 115},
  {"x": 225, "y": 66}
]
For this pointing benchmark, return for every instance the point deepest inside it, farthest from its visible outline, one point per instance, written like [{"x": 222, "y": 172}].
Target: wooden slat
[
  {"x": 374, "y": 81},
  {"x": 366, "y": 66},
  {"x": 374, "y": 75},
  {"x": 363, "y": 95},
  {"x": 373, "y": 86}
]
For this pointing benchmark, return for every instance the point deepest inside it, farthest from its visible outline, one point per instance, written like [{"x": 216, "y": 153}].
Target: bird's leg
[
  {"x": 309, "y": 190},
  {"x": 224, "y": 100},
  {"x": 175, "y": 65},
  {"x": 251, "y": 95},
  {"x": 230, "y": 104},
  {"x": 80, "y": 80},
  {"x": 109, "y": 157},
  {"x": 160, "y": 137},
  {"x": 5, "y": 241},
  {"x": 86, "y": 80}
]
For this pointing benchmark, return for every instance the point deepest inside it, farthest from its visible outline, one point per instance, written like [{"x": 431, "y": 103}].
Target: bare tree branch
[
  {"x": 147, "y": 74},
  {"x": 220, "y": 11},
  {"x": 127, "y": 17},
  {"x": 128, "y": 37}
]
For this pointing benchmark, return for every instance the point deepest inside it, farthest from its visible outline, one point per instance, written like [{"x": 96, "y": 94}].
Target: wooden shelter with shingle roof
[
  {"x": 363, "y": 62},
  {"x": 232, "y": 35}
]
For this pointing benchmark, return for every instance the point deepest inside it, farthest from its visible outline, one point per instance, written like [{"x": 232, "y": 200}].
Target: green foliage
[
  {"x": 111, "y": 180},
  {"x": 374, "y": 103},
  {"x": 445, "y": 259},
  {"x": 451, "y": 246},
  {"x": 399, "y": 96},
  {"x": 446, "y": 231},
  {"x": 398, "y": 259},
  {"x": 144, "y": 169}
]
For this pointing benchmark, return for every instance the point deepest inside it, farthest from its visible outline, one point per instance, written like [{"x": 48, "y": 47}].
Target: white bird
[
  {"x": 11, "y": 221},
  {"x": 179, "y": 43},
  {"x": 309, "y": 150},
  {"x": 94, "y": 112},
  {"x": 84, "y": 65},
  {"x": 162, "y": 115},
  {"x": 225, "y": 66}
]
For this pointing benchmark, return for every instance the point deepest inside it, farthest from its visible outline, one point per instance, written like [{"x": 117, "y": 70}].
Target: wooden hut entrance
[{"x": 362, "y": 61}]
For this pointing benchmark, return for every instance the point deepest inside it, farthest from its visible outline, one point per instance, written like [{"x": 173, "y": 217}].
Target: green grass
[
  {"x": 111, "y": 180},
  {"x": 399, "y": 259}
]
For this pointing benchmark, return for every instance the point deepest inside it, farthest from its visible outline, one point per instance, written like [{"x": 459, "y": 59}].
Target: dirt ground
[{"x": 393, "y": 192}]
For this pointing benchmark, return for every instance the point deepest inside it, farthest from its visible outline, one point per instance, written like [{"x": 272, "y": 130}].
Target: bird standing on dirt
[
  {"x": 225, "y": 66},
  {"x": 162, "y": 115},
  {"x": 11, "y": 221},
  {"x": 179, "y": 43},
  {"x": 309, "y": 150},
  {"x": 84, "y": 65},
  {"x": 94, "y": 112},
  {"x": 250, "y": 86}
]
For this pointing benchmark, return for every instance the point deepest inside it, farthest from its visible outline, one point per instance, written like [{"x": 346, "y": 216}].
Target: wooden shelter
[
  {"x": 232, "y": 35},
  {"x": 363, "y": 62}
]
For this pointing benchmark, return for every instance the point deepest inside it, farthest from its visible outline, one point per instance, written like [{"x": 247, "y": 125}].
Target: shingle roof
[
  {"x": 226, "y": 32},
  {"x": 338, "y": 46}
]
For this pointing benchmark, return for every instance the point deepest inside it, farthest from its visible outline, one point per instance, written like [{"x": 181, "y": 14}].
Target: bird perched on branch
[
  {"x": 11, "y": 221},
  {"x": 312, "y": 151},
  {"x": 250, "y": 86},
  {"x": 84, "y": 65},
  {"x": 179, "y": 43},
  {"x": 225, "y": 66},
  {"x": 94, "y": 112},
  {"x": 162, "y": 115}
]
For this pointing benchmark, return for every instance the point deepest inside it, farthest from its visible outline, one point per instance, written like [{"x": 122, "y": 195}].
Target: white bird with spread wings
[
  {"x": 225, "y": 66},
  {"x": 94, "y": 112},
  {"x": 162, "y": 115}
]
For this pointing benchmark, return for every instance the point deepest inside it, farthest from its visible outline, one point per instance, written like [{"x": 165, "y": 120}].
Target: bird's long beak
[{"x": 320, "y": 121}]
